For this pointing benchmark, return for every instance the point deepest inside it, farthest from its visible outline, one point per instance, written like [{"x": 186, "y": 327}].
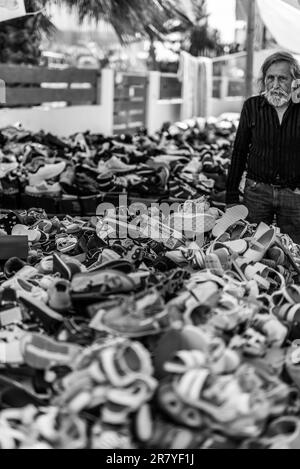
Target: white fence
[
  {"x": 98, "y": 118},
  {"x": 160, "y": 100}
]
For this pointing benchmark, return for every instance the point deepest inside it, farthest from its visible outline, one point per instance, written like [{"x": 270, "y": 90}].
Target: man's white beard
[{"x": 277, "y": 98}]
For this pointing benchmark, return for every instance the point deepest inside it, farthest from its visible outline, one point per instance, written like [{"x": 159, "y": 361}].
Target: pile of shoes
[
  {"x": 183, "y": 161},
  {"x": 128, "y": 331}
]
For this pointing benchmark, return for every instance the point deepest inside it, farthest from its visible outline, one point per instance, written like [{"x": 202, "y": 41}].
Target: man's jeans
[{"x": 264, "y": 202}]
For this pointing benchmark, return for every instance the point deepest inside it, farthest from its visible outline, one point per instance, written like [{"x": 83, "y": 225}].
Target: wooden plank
[
  {"x": 140, "y": 92},
  {"x": 134, "y": 80},
  {"x": 36, "y": 96},
  {"x": 121, "y": 92},
  {"x": 127, "y": 105},
  {"x": 120, "y": 119},
  {"x": 127, "y": 118},
  {"x": 217, "y": 87},
  {"x": 126, "y": 92},
  {"x": 12, "y": 74},
  {"x": 170, "y": 87}
]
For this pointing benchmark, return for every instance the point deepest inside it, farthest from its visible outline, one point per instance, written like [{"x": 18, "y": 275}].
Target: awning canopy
[
  {"x": 11, "y": 9},
  {"x": 282, "y": 18}
]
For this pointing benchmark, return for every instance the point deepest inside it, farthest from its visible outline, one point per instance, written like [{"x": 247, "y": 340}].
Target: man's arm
[{"x": 239, "y": 157}]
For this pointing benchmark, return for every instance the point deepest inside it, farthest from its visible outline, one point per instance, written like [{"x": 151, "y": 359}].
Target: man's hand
[{"x": 296, "y": 91}]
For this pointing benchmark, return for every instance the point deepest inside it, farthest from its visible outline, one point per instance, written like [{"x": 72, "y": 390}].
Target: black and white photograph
[{"x": 150, "y": 227}]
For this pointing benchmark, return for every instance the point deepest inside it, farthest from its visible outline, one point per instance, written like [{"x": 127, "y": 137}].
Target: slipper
[
  {"x": 176, "y": 409},
  {"x": 232, "y": 216},
  {"x": 258, "y": 247}
]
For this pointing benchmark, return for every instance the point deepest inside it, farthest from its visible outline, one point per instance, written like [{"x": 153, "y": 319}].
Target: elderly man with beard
[{"x": 268, "y": 146}]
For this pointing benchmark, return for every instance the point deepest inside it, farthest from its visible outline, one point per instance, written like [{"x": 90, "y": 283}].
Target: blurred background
[{"x": 147, "y": 36}]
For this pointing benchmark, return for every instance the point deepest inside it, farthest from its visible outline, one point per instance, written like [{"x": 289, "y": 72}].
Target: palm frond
[{"x": 129, "y": 17}]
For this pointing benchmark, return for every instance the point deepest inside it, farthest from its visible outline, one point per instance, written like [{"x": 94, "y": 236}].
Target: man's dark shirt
[{"x": 269, "y": 151}]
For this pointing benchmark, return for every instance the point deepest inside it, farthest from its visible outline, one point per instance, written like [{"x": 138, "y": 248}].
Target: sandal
[
  {"x": 120, "y": 403},
  {"x": 66, "y": 243},
  {"x": 231, "y": 217}
]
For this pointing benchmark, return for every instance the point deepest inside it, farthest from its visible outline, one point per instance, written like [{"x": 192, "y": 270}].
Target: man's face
[{"x": 278, "y": 84}]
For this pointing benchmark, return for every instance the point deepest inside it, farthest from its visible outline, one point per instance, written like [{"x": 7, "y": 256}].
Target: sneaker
[
  {"x": 115, "y": 165},
  {"x": 43, "y": 188},
  {"x": 49, "y": 171}
]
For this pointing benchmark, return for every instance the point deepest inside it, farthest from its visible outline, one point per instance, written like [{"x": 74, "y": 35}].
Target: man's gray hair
[{"x": 275, "y": 58}]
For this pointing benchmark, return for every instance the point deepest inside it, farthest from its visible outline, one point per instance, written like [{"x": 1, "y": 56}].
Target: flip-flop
[{"x": 232, "y": 216}]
